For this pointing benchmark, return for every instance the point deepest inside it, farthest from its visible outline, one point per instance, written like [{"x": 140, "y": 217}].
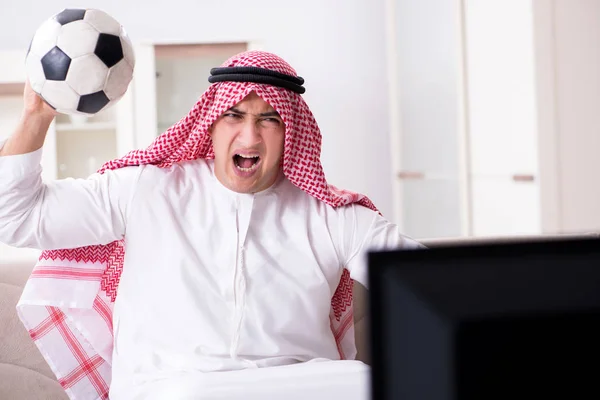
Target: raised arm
[{"x": 61, "y": 214}]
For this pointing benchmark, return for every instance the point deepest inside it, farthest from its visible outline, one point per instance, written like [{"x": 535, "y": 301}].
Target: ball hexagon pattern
[
  {"x": 80, "y": 61},
  {"x": 77, "y": 39}
]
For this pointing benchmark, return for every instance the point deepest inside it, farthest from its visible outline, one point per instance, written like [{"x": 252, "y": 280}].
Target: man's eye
[
  {"x": 232, "y": 115},
  {"x": 272, "y": 120}
]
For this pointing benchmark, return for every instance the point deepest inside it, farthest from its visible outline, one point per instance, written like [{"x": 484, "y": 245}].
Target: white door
[
  {"x": 501, "y": 117},
  {"x": 424, "y": 64}
]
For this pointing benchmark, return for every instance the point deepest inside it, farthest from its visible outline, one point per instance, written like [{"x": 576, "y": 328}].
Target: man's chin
[
  {"x": 241, "y": 185},
  {"x": 247, "y": 184}
]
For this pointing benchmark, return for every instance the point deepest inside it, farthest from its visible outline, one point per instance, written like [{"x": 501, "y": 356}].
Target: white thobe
[{"x": 213, "y": 280}]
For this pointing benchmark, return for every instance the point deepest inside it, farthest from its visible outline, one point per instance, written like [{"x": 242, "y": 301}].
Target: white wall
[
  {"x": 337, "y": 46},
  {"x": 568, "y": 75},
  {"x": 578, "y": 89}
]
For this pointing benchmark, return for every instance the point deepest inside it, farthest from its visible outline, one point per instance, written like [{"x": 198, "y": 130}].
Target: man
[{"x": 229, "y": 250}]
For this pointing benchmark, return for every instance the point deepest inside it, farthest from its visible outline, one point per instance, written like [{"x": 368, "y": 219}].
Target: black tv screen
[{"x": 487, "y": 321}]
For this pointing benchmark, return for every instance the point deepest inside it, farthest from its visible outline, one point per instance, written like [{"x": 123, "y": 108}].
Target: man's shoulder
[
  {"x": 160, "y": 176},
  {"x": 310, "y": 202},
  {"x": 182, "y": 168},
  {"x": 357, "y": 212}
]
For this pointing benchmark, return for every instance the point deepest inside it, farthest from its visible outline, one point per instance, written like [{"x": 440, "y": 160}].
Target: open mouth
[{"x": 246, "y": 163}]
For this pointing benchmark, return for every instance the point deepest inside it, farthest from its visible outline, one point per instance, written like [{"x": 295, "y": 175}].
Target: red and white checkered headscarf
[{"x": 68, "y": 300}]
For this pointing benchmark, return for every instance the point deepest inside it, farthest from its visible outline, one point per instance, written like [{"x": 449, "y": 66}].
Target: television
[{"x": 486, "y": 321}]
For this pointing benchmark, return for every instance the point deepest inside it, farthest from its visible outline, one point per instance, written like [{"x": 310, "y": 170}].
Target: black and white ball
[{"x": 80, "y": 61}]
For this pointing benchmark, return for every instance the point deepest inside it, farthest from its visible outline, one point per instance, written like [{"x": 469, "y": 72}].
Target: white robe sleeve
[
  {"x": 61, "y": 214},
  {"x": 364, "y": 230}
]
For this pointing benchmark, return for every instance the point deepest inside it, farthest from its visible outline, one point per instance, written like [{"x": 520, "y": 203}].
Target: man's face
[{"x": 248, "y": 143}]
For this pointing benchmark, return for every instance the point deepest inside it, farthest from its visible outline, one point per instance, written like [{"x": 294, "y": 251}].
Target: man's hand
[
  {"x": 34, "y": 106},
  {"x": 35, "y": 120}
]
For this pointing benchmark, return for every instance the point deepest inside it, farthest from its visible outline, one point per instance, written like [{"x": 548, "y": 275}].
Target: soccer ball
[{"x": 80, "y": 61}]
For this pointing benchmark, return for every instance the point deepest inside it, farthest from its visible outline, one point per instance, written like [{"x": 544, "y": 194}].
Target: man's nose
[{"x": 249, "y": 134}]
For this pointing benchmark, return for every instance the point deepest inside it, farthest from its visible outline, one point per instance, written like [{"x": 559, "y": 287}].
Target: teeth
[{"x": 250, "y": 169}]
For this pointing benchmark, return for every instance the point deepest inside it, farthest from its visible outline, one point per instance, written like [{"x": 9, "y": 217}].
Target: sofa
[{"x": 25, "y": 375}]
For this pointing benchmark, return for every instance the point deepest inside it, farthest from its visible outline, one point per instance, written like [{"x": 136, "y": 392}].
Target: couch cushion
[
  {"x": 15, "y": 273},
  {"x": 360, "y": 323},
  {"x": 16, "y": 347},
  {"x": 22, "y": 383}
]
